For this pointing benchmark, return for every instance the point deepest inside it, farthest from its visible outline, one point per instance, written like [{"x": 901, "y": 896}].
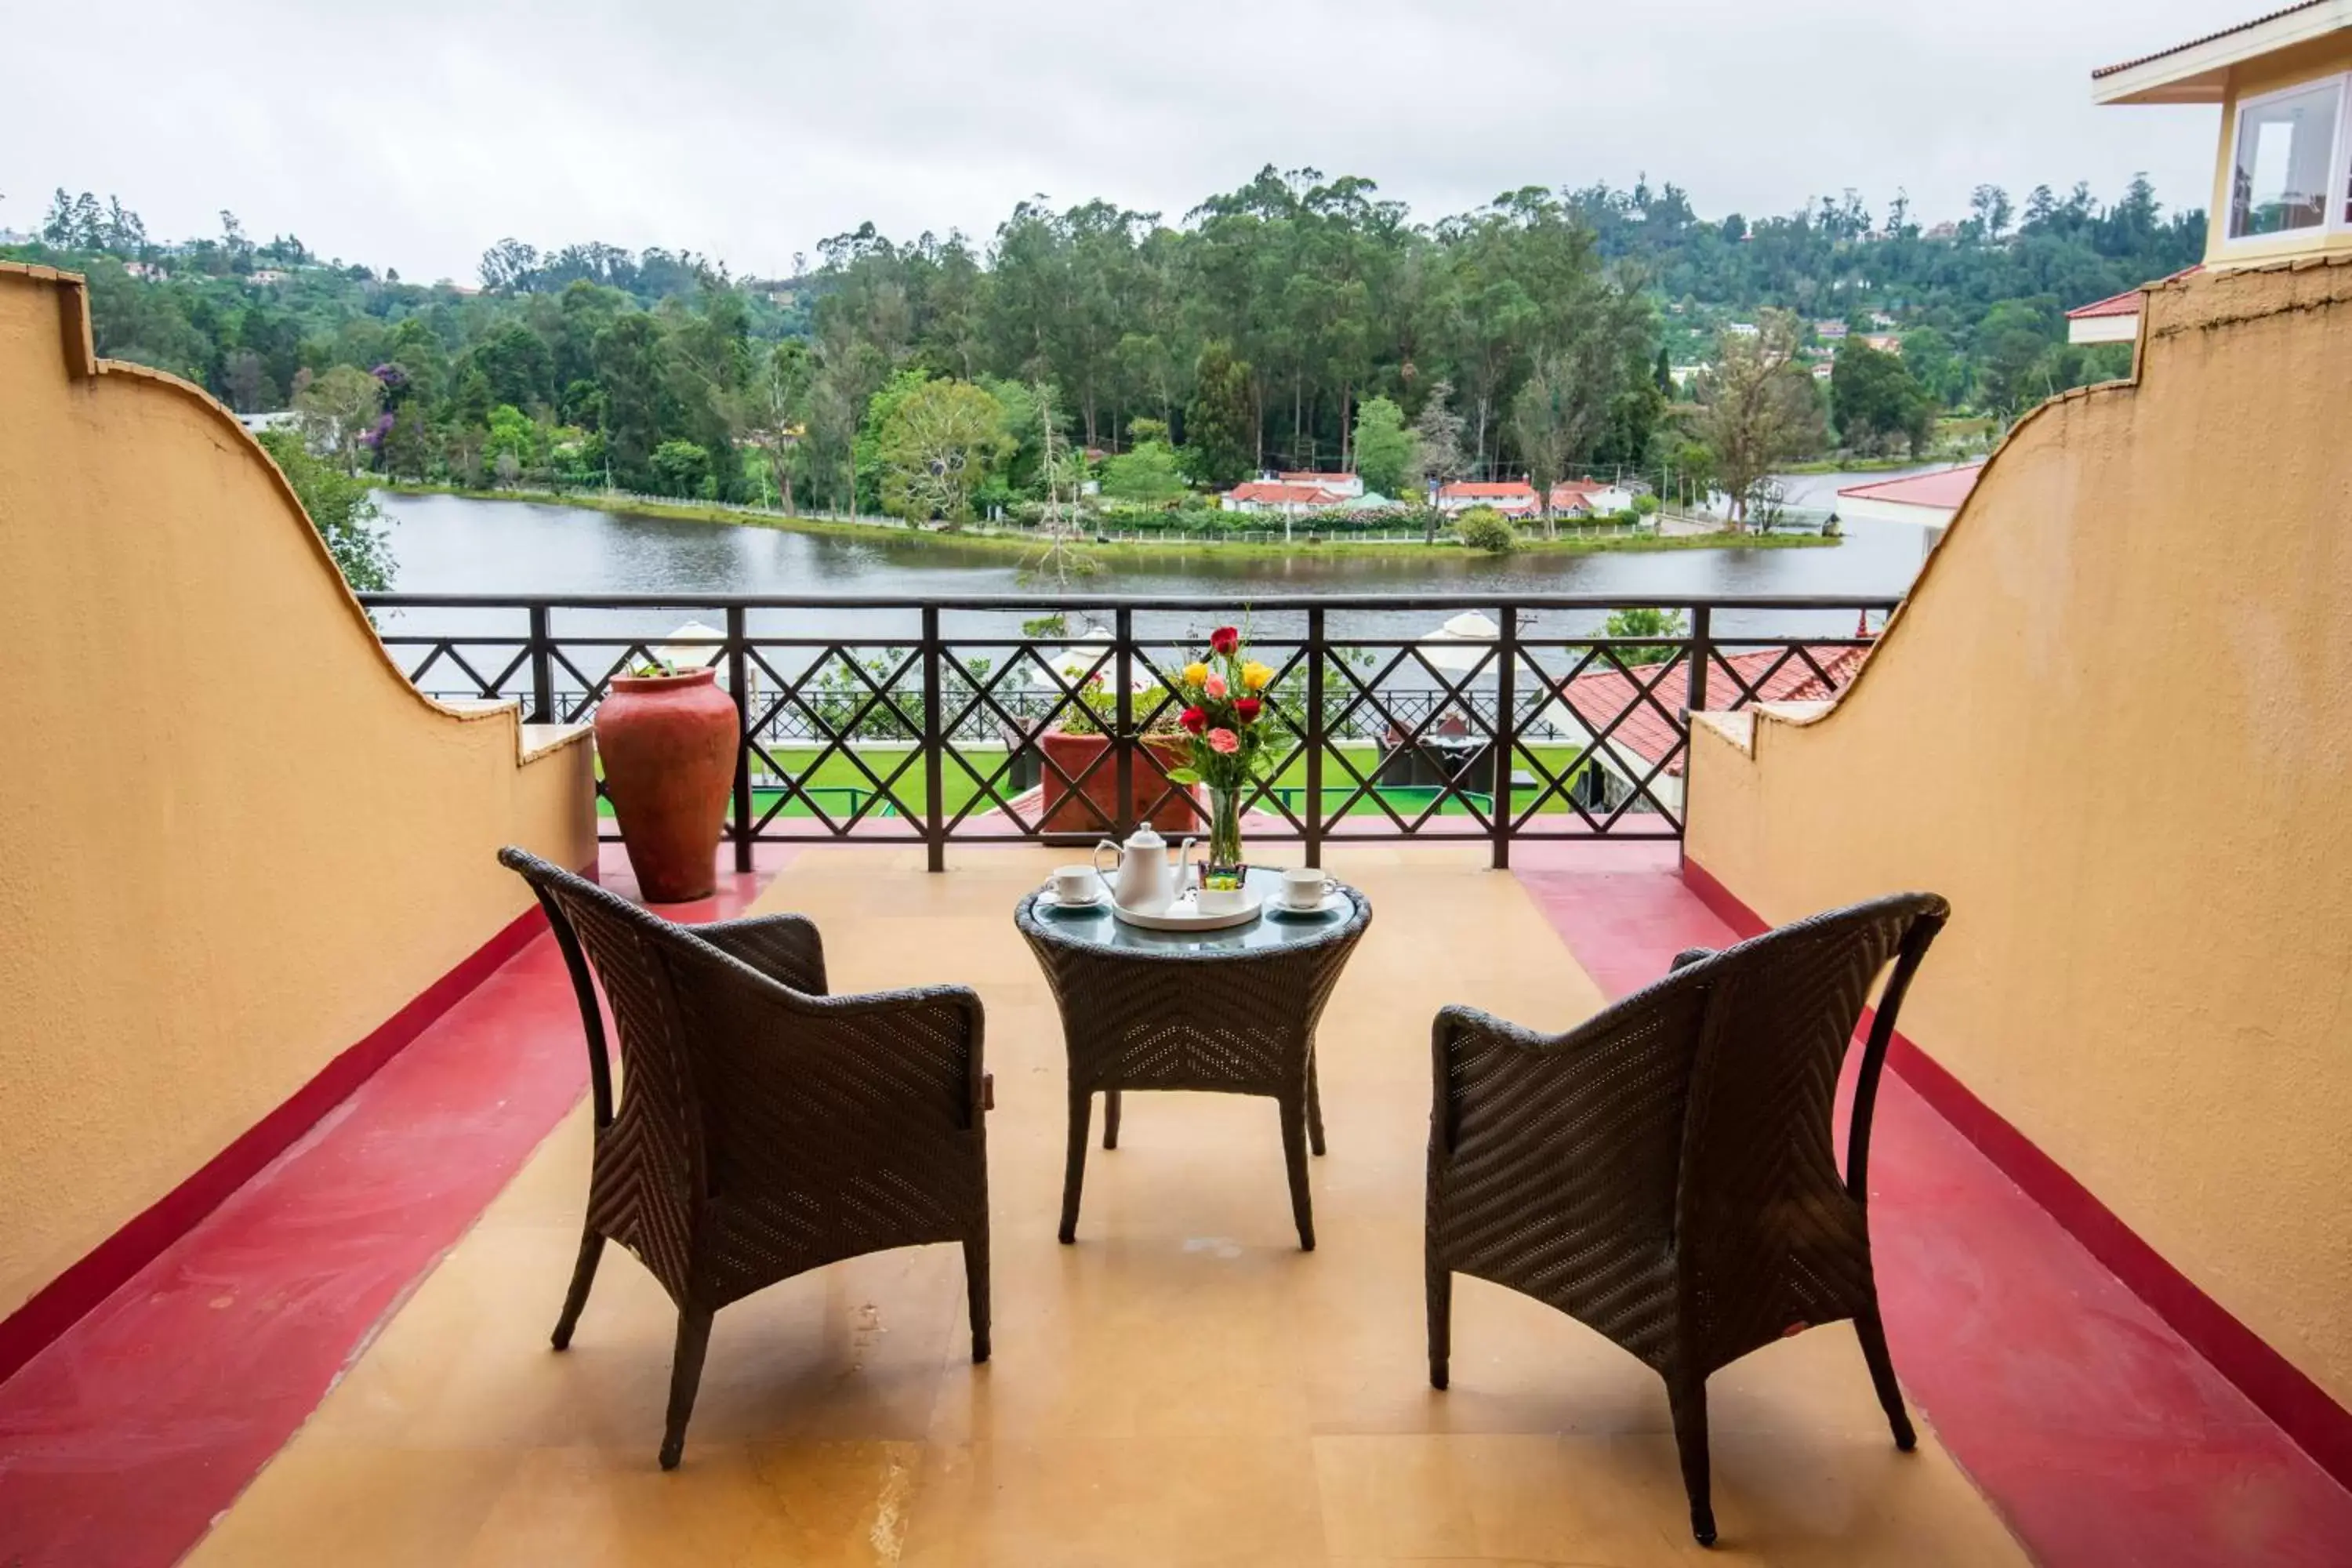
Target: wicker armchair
[
  {"x": 1664, "y": 1173},
  {"x": 764, "y": 1128}
]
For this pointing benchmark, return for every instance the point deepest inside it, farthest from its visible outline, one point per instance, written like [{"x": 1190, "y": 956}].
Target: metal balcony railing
[{"x": 1030, "y": 717}]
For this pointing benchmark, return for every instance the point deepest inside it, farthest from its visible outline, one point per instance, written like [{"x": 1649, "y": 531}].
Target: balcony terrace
[
  {"x": 1183, "y": 1385},
  {"x": 296, "y": 1169}
]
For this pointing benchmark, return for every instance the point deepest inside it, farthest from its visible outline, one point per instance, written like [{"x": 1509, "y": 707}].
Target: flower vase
[{"x": 1224, "y": 867}]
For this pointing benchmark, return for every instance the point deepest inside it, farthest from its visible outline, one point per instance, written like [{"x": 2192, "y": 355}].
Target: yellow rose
[
  {"x": 1257, "y": 676},
  {"x": 1195, "y": 673}
]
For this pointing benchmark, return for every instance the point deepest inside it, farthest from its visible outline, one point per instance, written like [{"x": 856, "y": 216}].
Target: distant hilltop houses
[{"x": 1300, "y": 494}]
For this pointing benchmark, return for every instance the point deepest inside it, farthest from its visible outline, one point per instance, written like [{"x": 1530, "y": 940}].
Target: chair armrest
[
  {"x": 784, "y": 948},
  {"x": 1689, "y": 956}
]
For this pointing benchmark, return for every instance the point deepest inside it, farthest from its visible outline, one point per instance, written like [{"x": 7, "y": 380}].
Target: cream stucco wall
[
  {"x": 2252, "y": 78},
  {"x": 233, "y": 839},
  {"x": 2113, "y": 724}
]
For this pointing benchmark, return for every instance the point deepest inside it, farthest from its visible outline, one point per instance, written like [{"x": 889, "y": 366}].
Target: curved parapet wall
[
  {"x": 233, "y": 840},
  {"x": 2113, "y": 725}
]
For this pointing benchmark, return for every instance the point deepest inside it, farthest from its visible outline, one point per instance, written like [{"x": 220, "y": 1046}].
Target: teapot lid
[{"x": 1145, "y": 838}]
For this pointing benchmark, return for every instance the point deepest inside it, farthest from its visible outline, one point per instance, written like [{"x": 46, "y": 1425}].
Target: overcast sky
[{"x": 414, "y": 136}]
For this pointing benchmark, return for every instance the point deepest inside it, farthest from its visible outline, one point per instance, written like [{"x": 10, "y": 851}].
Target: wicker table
[{"x": 1230, "y": 1011}]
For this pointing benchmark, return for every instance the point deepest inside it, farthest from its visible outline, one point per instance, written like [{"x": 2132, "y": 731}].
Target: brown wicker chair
[
  {"x": 1664, "y": 1173},
  {"x": 764, "y": 1128}
]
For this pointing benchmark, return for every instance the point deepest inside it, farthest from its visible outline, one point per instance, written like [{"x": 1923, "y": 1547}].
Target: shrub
[
  {"x": 1483, "y": 528},
  {"x": 1645, "y": 504}
]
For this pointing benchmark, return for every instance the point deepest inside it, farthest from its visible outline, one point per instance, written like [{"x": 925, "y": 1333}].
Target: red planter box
[{"x": 1074, "y": 755}]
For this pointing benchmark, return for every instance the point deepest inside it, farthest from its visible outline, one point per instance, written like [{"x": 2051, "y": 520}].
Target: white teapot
[{"x": 1146, "y": 882}]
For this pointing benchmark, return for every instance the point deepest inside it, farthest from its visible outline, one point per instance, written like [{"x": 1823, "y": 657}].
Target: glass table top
[{"x": 1271, "y": 931}]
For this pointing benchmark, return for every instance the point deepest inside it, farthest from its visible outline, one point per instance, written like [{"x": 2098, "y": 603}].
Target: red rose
[
  {"x": 1247, "y": 709},
  {"x": 1192, "y": 718},
  {"x": 1225, "y": 639}
]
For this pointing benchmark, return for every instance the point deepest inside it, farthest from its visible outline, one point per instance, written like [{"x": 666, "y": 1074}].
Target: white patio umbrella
[
  {"x": 691, "y": 647},
  {"x": 1456, "y": 645},
  {"x": 1073, "y": 663}
]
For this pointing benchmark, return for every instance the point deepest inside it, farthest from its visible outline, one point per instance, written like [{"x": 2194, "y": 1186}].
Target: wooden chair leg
[
  {"x": 975, "y": 1285},
  {"x": 1872, "y": 1332},
  {"x": 1110, "y": 1119},
  {"x": 1441, "y": 1315},
  {"x": 583, "y": 1275},
  {"x": 685, "y": 1378},
  {"x": 1074, "y": 1175},
  {"x": 1689, "y": 1398},
  {"x": 1294, "y": 1155},
  {"x": 1314, "y": 1107}
]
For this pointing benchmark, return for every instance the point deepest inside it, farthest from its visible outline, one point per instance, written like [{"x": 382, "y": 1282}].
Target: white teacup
[
  {"x": 1077, "y": 884},
  {"x": 1305, "y": 887}
]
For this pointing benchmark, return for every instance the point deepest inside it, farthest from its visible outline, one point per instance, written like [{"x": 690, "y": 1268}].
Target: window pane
[{"x": 2285, "y": 147}]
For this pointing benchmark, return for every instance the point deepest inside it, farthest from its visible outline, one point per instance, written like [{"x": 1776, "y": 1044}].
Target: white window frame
[{"x": 2334, "y": 218}]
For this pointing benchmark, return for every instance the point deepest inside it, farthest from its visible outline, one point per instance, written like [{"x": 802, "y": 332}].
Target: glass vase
[{"x": 1223, "y": 867}]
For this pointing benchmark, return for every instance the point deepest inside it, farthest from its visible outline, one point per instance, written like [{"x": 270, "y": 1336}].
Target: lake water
[{"x": 446, "y": 544}]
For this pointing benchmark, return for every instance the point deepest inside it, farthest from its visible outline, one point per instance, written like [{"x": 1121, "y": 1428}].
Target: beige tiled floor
[{"x": 1182, "y": 1386}]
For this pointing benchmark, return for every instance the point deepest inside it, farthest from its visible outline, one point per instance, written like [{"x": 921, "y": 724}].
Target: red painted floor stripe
[
  {"x": 2101, "y": 1436},
  {"x": 121, "y": 1441}
]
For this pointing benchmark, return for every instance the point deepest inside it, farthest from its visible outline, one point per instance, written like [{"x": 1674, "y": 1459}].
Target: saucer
[
  {"x": 1050, "y": 902},
  {"x": 1333, "y": 902}
]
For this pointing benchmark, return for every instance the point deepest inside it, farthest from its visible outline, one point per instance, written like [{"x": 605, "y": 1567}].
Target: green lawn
[{"x": 840, "y": 787}]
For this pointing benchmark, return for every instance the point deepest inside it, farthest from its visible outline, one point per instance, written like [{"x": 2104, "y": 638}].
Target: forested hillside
[{"x": 1263, "y": 329}]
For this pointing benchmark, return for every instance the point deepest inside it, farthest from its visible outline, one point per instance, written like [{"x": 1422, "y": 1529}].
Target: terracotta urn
[{"x": 668, "y": 744}]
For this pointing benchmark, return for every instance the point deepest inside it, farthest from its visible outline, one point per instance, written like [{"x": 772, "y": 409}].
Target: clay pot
[
  {"x": 1074, "y": 755},
  {"x": 667, "y": 743}
]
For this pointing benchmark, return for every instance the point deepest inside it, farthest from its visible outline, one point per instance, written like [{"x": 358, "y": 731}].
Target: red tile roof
[
  {"x": 2128, "y": 303},
  {"x": 1598, "y": 696},
  {"x": 1268, "y": 493},
  {"x": 1484, "y": 490},
  {"x": 2209, "y": 38},
  {"x": 1944, "y": 489}
]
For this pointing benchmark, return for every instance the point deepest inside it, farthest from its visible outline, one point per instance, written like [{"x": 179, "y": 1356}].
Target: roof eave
[{"x": 2198, "y": 72}]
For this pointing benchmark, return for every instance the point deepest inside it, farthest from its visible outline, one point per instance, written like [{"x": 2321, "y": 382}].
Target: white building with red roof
[
  {"x": 1512, "y": 498},
  {"x": 1629, "y": 727},
  {"x": 2116, "y": 319},
  {"x": 1279, "y": 496},
  {"x": 1926, "y": 500}
]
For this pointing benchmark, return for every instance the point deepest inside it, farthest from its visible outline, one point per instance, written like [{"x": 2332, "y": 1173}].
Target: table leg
[
  {"x": 1074, "y": 1175},
  {"x": 1314, "y": 1107},
  {"x": 1110, "y": 1119},
  {"x": 1294, "y": 1156}
]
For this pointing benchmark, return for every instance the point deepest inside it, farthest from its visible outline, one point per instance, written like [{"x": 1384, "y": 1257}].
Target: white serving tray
[{"x": 1185, "y": 914}]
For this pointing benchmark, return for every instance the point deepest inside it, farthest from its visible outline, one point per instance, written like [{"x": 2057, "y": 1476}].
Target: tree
[
  {"x": 1436, "y": 448},
  {"x": 1437, "y": 439},
  {"x": 1646, "y": 623},
  {"x": 2009, "y": 347},
  {"x": 1483, "y": 528},
  {"x": 1757, "y": 408},
  {"x": 682, "y": 468},
  {"x": 629, "y": 371},
  {"x": 1874, "y": 399},
  {"x": 405, "y": 448},
  {"x": 775, "y": 412},
  {"x": 1221, "y": 422},
  {"x": 935, "y": 447},
  {"x": 1383, "y": 446},
  {"x": 248, "y": 384},
  {"x": 1146, "y": 472},
  {"x": 1941, "y": 373},
  {"x": 335, "y": 410},
  {"x": 513, "y": 443},
  {"x": 338, "y": 507}
]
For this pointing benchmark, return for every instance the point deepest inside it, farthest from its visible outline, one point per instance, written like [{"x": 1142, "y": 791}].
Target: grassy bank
[
  {"x": 840, "y": 787},
  {"x": 1015, "y": 546}
]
